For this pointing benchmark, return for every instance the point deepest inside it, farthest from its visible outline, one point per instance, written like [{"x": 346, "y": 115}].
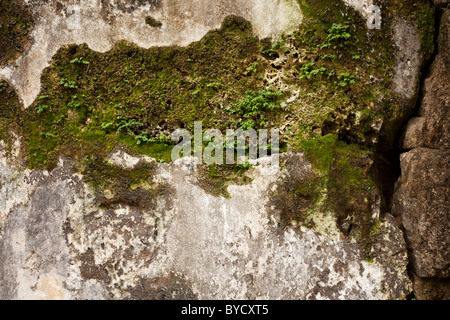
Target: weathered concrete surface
[
  {"x": 58, "y": 243},
  {"x": 101, "y": 24}
]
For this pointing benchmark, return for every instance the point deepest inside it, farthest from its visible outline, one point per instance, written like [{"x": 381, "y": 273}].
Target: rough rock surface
[
  {"x": 431, "y": 128},
  {"x": 431, "y": 288},
  {"x": 422, "y": 200},
  {"x": 421, "y": 197}
]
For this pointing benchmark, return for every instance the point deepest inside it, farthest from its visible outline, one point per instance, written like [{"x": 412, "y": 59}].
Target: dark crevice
[{"x": 411, "y": 296}]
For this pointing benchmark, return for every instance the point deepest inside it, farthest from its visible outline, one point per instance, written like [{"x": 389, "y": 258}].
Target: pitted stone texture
[
  {"x": 102, "y": 23},
  {"x": 389, "y": 248},
  {"x": 413, "y": 134},
  {"x": 227, "y": 248},
  {"x": 422, "y": 201}
]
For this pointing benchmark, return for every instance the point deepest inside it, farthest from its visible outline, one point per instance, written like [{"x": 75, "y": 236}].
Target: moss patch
[
  {"x": 132, "y": 96},
  {"x": 10, "y": 108},
  {"x": 103, "y": 175},
  {"x": 345, "y": 175}
]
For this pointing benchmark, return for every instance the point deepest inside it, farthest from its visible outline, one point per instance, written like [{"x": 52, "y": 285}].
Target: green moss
[
  {"x": 320, "y": 152},
  {"x": 345, "y": 182},
  {"x": 339, "y": 161},
  {"x": 425, "y": 16},
  {"x": 336, "y": 93},
  {"x": 375, "y": 228},
  {"x": 297, "y": 195},
  {"x": 160, "y": 89}
]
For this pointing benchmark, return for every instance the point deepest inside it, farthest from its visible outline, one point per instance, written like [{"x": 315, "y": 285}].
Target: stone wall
[
  {"x": 421, "y": 196},
  {"x": 299, "y": 232}
]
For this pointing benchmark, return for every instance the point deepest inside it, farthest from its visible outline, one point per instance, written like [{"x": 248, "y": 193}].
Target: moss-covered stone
[
  {"x": 152, "y": 22},
  {"x": 104, "y": 175},
  {"x": 129, "y": 94}
]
